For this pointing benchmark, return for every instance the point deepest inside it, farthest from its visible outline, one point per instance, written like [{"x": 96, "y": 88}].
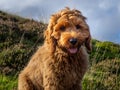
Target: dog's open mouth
[{"x": 73, "y": 50}]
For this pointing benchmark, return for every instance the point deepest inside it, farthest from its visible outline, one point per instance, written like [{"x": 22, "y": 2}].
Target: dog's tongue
[{"x": 72, "y": 50}]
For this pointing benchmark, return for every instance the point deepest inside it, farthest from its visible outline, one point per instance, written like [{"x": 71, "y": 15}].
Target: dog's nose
[{"x": 73, "y": 41}]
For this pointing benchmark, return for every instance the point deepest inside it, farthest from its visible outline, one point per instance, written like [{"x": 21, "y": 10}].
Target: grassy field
[
  {"x": 103, "y": 76},
  {"x": 100, "y": 76},
  {"x": 8, "y": 82},
  {"x": 20, "y": 38}
]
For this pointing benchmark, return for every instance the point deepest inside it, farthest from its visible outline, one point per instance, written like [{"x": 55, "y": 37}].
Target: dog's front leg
[
  {"x": 24, "y": 83},
  {"x": 51, "y": 82},
  {"x": 76, "y": 87}
]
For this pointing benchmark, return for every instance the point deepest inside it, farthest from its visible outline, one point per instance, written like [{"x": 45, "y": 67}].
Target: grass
[
  {"x": 21, "y": 37},
  {"x": 103, "y": 76},
  {"x": 8, "y": 82}
]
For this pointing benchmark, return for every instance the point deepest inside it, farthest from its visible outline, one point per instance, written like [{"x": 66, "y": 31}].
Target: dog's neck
[
  {"x": 61, "y": 54},
  {"x": 61, "y": 57}
]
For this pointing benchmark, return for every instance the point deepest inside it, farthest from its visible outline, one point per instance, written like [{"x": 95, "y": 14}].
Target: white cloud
[
  {"x": 106, "y": 4},
  {"x": 103, "y": 15},
  {"x": 17, "y": 5}
]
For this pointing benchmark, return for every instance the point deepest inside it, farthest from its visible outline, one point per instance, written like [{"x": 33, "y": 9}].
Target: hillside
[
  {"x": 19, "y": 39},
  {"x": 104, "y": 50}
]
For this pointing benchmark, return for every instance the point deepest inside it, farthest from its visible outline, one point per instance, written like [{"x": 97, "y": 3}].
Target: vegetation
[
  {"x": 20, "y": 37},
  {"x": 8, "y": 82},
  {"x": 104, "y": 50},
  {"x": 103, "y": 76}
]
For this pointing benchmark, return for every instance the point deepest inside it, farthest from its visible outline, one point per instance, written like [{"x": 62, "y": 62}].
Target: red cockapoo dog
[{"x": 62, "y": 61}]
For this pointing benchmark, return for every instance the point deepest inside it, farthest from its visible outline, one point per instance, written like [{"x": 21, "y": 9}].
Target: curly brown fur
[{"x": 62, "y": 61}]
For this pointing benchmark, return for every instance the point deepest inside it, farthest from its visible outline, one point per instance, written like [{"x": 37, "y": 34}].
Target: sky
[{"x": 103, "y": 16}]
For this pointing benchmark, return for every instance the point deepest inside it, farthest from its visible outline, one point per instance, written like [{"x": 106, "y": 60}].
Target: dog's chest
[
  {"x": 68, "y": 72},
  {"x": 64, "y": 71}
]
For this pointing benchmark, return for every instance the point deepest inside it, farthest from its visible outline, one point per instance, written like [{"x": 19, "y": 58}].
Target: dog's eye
[
  {"x": 78, "y": 26},
  {"x": 62, "y": 28}
]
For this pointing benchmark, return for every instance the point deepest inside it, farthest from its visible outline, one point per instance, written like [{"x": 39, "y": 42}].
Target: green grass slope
[
  {"x": 19, "y": 39},
  {"x": 8, "y": 82},
  {"x": 104, "y": 75}
]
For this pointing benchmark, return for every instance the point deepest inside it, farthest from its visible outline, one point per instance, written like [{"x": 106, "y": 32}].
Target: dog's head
[{"x": 68, "y": 30}]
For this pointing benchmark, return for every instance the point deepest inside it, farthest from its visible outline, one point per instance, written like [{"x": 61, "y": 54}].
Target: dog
[{"x": 61, "y": 62}]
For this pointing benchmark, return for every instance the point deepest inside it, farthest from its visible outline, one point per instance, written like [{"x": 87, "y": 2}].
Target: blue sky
[{"x": 103, "y": 16}]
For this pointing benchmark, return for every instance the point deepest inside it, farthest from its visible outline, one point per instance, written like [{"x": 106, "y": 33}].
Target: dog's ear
[
  {"x": 49, "y": 40},
  {"x": 47, "y": 35},
  {"x": 88, "y": 44}
]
